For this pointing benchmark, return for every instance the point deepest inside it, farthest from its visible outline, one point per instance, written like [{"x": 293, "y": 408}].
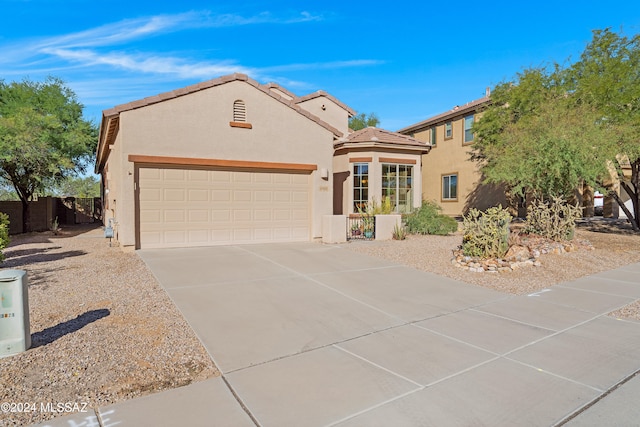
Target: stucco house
[
  {"x": 454, "y": 181},
  {"x": 231, "y": 160},
  {"x": 449, "y": 177}
]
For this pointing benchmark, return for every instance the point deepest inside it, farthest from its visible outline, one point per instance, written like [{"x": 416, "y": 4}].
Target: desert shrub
[
  {"x": 429, "y": 220},
  {"x": 399, "y": 232},
  {"x": 486, "y": 234},
  {"x": 4, "y": 233},
  {"x": 374, "y": 208},
  {"x": 554, "y": 219}
]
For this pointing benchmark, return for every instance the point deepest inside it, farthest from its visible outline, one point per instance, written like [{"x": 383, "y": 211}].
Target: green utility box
[{"x": 15, "y": 333}]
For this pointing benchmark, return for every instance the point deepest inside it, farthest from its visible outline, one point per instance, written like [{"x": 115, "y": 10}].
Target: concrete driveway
[{"x": 313, "y": 335}]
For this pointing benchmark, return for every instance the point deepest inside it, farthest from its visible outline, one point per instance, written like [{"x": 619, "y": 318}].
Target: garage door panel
[
  {"x": 242, "y": 177},
  {"x": 221, "y": 195},
  {"x": 262, "y": 215},
  {"x": 300, "y": 196},
  {"x": 221, "y": 236},
  {"x": 198, "y": 175},
  {"x": 183, "y": 207},
  {"x": 282, "y": 196},
  {"x": 198, "y": 236},
  {"x": 150, "y": 174},
  {"x": 198, "y": 195},
  {"x": 174, "y": 175},
  {"x": 300, "y": 214},
  {"x": 171, "y": 215},
  {"x": 242, "y": 196},
  {"x": 220, "y": 176},
  {"x": 240, "y": 215},
  {"x": 199, "y": 215},
  {"x": 221, "y": 216},
  {"x": 151, "y": 216},
  {"x": 262, "y": 196},
  {"x": 174, "y": 195},
  {"x": 150, "y": 195}
]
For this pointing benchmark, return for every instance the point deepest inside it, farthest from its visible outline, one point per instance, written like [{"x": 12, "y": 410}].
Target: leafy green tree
[
  {"x": 362, "y": 121},
  {"x": 607, "y": 77},
  {"x": 7, "y": 192},
  {"x": 43, "y": 137},
  {"x": 551, "y": 129},
  {"x": 75, "y": 186},
  {"x": 4, "y": 233}
]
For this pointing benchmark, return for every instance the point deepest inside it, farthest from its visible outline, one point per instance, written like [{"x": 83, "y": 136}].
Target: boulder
[{"x": 517, "y": 253}]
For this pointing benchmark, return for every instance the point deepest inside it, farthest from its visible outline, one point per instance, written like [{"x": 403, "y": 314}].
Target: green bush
[
  {"x": 486, "y": 234},
  {"x": 555, "y": 219},
  {"x": 429, "y": 220},
  {"x": 4, "y": 233}
]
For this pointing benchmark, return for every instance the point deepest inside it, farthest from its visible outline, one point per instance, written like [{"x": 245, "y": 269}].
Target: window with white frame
[
  {"x": 468, "y": 125},
  {"x": 360, "y": 186},
  {"x": 450, "y": 187},
  {"x": 397, "y": 185}
]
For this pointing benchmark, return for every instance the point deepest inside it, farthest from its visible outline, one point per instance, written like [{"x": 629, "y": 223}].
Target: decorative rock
[
  {"x": 517, "y": 253},
  {"x": 519, "y": 256}
]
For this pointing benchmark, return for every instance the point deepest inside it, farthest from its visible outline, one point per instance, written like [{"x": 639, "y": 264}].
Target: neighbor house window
[
  {"x": 360, "y": 186},
  {"x": 468, "y": 133},
  {"x": 448, "y": 130},
  {"x": 450, "y": 187},
  {"x": 432, "y": 136},
  {"x": 397, "y": 183}
]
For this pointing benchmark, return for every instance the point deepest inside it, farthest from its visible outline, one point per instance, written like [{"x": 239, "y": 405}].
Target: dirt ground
[{"x": 102, "y": 328}]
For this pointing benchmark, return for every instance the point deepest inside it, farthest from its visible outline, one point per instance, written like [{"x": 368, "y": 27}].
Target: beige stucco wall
[
  {"x": 332, "y": 113},
  {"x": 342, "y": 164},
  {"x": 197, "y": 126},
  {"x": 451, "y": 156}
]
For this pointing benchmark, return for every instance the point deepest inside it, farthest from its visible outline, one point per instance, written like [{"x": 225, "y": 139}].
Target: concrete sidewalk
[{"x": 311, "y": 335}]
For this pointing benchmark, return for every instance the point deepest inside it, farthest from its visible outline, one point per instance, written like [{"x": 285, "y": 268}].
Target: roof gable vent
[{"x": 239, "y": 111}]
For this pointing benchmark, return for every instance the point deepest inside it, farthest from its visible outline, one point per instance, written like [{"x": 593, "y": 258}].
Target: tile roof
[
  {"x": 110, "y": 117},
  {"x": 320, "y": 93},
  {"x": 375, "y": 136},
  {"x": 455, "y": 111}
]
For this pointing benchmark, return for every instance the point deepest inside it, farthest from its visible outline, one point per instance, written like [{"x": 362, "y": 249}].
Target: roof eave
[
  {"x": 472, "y": 106},
  {"x": 342, "y": 145}
]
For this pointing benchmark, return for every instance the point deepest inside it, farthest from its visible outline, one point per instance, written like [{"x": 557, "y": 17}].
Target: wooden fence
[{"x": 45, "y": 210}]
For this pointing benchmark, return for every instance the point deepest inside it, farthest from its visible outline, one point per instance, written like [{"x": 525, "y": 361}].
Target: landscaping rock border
[{"x": 522, "y": 255}]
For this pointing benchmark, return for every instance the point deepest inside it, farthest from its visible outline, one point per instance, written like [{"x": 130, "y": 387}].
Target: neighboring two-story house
[{"x": 449, "y": 177}]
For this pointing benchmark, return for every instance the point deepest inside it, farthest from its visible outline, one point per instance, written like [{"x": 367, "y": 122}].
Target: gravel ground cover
[
  {"x": 614, "y": 245},
  {"x": 102, "y": 328}
]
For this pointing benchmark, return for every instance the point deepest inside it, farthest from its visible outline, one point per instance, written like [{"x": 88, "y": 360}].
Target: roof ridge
[
  {"x": 449, "y": 113},
  {"x": 327, "y": 95}
]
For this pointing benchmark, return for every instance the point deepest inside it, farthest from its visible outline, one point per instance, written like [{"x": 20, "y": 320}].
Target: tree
[
  {"x": 607, "y": 76},
  {"x": 74, "y": 186},
  {"x": 362, "y": 121},
  {"x": 43, "y": 137},
  {"x": 552, "y": 129}
]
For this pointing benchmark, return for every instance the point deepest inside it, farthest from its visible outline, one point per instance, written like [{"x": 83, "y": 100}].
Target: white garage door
[{"x": 197, "y": 207}]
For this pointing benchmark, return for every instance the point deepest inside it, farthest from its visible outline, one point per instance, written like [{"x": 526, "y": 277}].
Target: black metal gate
[{"x": 361, "y": 227}]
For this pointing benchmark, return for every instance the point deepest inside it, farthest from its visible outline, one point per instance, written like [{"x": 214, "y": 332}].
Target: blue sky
[{"x": 405, "y": 61}]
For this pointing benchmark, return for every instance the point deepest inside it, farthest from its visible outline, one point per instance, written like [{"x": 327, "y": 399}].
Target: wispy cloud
[
  {"x": 89, "y": 56},
  {"x": 153, "y": 64}
]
